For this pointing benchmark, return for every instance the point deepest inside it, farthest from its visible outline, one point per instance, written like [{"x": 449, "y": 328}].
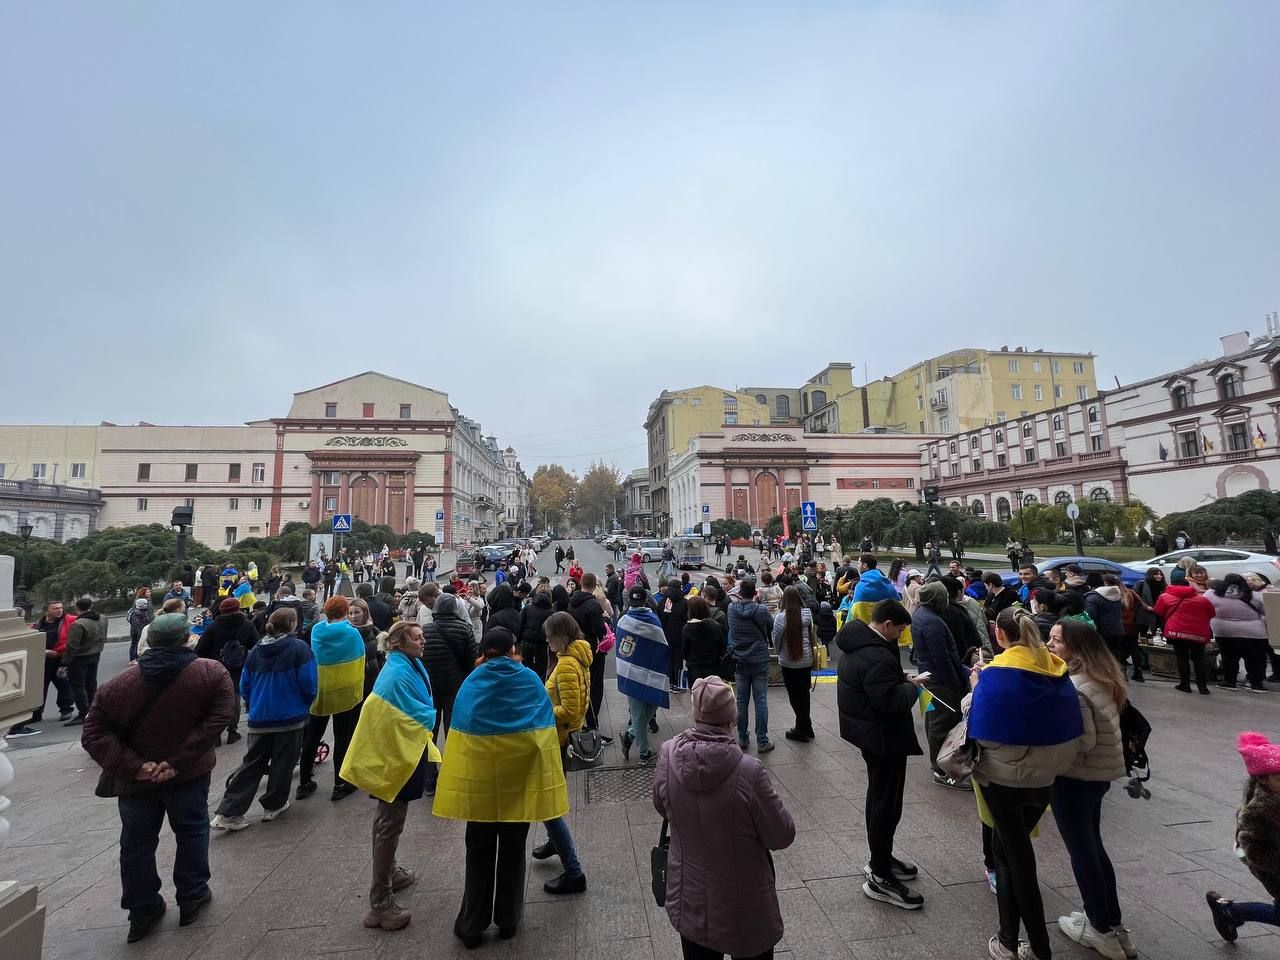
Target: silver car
[{"x": 1218, "y": 561}]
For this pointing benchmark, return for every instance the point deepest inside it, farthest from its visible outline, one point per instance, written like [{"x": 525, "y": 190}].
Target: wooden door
[
  {"x": 793, "y": 498},
  {"x": 766, "y": 498},
  {"x": 364, "y": 494},
  {"x": 740, "y": 504}
]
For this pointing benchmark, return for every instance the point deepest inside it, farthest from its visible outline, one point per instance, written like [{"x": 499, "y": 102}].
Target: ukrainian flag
[
  {"x": 394, "y": 730},
  {"x": 503, "y": 762},
  {"x": 873, "y": 587},
  {"x": 339, "y": 651},
  {"x": 1025, "y": 697}
]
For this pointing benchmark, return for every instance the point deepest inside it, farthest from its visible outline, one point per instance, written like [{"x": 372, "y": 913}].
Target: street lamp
[
  {"x": 20, "y": 601},
  {"x": 1022, "y": 513}
]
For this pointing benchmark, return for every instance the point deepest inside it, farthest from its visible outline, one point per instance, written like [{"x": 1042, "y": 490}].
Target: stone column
[
  {"x": 410, "y": 520},
  {"x": 317, "y": 507},
  {"x": 344, "y": 492}
]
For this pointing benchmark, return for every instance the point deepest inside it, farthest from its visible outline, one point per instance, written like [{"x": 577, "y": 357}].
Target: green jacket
[{"x": 85, "y": 637}]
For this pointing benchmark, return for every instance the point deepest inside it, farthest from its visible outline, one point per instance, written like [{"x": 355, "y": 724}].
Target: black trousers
[
  {"x": 693, "y": 951},
  {"x": 534, "y": 656},
  {"x": 271, "y": 755},
  {"x": 82, "y": 677},
  {"x": 597, "y": 690},
  {"x": 344, "y": 725},
  {"x": 1254, "y": 652},
  {"x": 886, "y": 783},
  {"x": 1190, "y": 654},
  {"x": 1014, "y": 812},
  {"x": 1229, "y": 651},
  {"x": 62, "y": 688},
  {"x": 796, "y": 680},
  {"x": 675, "y": 663},
  {"x": 493, "y": 891},
  {"x": 444, "y": 717},
  {"x": 939, "y": 721}
]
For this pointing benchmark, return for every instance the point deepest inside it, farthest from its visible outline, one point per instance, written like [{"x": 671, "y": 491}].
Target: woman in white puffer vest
[{"x": 1078, "y": 792}]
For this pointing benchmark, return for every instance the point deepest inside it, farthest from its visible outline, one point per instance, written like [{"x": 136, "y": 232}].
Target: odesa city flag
[
  {"x": 394, "y": 730},
  {"x": 502, "y": 762}
]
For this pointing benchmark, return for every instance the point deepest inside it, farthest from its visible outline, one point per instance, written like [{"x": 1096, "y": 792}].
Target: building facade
[
  {"x": 513, "y": 504},
  {"x": 385, "y": 450},
  {"x": 637, "y": 510}
]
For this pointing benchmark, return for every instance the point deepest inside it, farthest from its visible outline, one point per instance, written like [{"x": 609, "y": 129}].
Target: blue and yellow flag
[
  {"x": 339, "y": 651},
  {"x": 1025, "y": 697},
  {"x": 502, "y": 764},
  {"x": 394, "y": 730}
]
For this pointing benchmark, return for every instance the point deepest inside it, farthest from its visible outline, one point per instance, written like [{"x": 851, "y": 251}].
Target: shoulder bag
[
  {"x": 584, "y": 750},
  {"x": 959, "y": 754},
  {"x": 658, "y": 866},
  {"x": 106, "y": 787}
]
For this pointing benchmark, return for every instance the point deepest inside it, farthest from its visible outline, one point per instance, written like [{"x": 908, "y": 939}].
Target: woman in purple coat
[{"x": 724, "y": 818}]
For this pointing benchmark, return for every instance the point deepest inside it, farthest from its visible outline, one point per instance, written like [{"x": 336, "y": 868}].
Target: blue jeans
[
  {"x": 752, "y": 681},
  {"x": 141, "y": 817},
  {"x": 1256, "y": 913},
  {"x": 1077, "y": 808},
  {"x": 640, "y": 712},
  {"x": 560, "y": 837}
]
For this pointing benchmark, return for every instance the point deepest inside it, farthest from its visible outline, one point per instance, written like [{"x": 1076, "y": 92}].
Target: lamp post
[
  {"x": 1021, "y": 513},
  {"x": 20, "y": 600}
]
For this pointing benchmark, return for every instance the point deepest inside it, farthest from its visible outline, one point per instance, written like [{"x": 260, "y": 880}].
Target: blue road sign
[
  {"x": 809, "y": 515},
  {"x": 342, "y": 523},
  {"x": 440, "y": 516},
  {"x": 706, "y": 509}
]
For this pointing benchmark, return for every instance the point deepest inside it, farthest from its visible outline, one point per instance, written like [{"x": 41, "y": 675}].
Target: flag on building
[
  {"x": 1207, "y": 444},
  {"x": 1261, "y": 439},
  {"x": 1164, "y": 453}
]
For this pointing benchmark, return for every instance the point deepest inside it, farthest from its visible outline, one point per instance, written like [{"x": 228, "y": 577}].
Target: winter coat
[
  {"x": 1186, "y": 614},
  {"x": 703, "y": 646},
  {"x": 1101, "y": 755},
  {"x": 140, "y": 614},
  {"x": 1232, "y": 617},
  {"x": 373, "y": 657},
  {"x": 586, "y": 609},
  {"x": 278, "y": 684},
  {"x": 1044, "y": 621},
  {"x": 448, "y": 649},
  {"x": 826, "y": 620},
  {"x": 1106, "y": 606},
  {"x": 674, "y": 615},
  {"x": 750, "y": 627},
  {"x": 806, "y": 643},
  {"x": 961, "y": 627},
  {"x": 1258, "y": 835},
  {"x": 502, "y": 609},
  {"x": 532, "y": 616},
  {"x": 1001, "y": 601},
  {"x": 227, "y": 628},
  {"x": 1148, "y": 595},
  {"x": 55, "y": 633},
  {"x": 936, "y": 651},
  {"x": 613, "y": 590},
  {"x": 873, "y": 696},
  {"x": 86, "y": 636},
  {"x": 182, "y": 728},
  {"x": 725, "y": 818},
  {"x": 570, "y": 688}
]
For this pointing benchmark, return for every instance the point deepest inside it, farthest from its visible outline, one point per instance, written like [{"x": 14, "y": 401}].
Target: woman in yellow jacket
[{"x": 569, "y": 686}]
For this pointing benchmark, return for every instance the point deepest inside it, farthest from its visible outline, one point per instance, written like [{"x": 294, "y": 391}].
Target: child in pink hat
[{"x": 1257, "y": 835}]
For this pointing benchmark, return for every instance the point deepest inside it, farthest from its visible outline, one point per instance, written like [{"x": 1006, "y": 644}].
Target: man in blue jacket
[{"x": 750, "y": 627}]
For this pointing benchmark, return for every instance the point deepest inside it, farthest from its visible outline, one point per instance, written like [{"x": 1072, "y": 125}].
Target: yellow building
[
  {"x": 677, "y": 416},
  {"x": 955, "y": 391}
]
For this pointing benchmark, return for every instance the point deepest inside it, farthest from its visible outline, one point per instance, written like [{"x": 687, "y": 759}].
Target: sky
[{"x": 553, "y": 211}]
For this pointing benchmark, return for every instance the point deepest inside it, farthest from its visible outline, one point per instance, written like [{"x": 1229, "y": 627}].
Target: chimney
[{"x": 1235, "y": 343}]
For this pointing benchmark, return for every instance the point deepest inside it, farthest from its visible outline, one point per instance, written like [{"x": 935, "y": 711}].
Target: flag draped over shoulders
[
  {"x": 394, "y": 730},
  {"x": 339, "y": 651},
  {"x": 641, "y": 657},
  {"x": 1025, "y": 697},
  {"x": 503, "y": 758}
]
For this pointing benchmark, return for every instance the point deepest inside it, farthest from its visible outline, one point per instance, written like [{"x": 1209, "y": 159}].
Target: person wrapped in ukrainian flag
[
  {"x": 501, "y": 772},
  {"x": 388, "y": 757},
  {"x": 872, "y": 587},
  {"x": 340, "y": 655}
]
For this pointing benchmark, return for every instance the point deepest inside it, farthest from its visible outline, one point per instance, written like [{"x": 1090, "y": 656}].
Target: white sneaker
[
  {"x": 998, "y": 951},
  {"x": 1126, "y": 942},
  {"x": 219, "y": 822},
  {"x": 269, "y": 815},
  {"x": 1079, "y": 929}
]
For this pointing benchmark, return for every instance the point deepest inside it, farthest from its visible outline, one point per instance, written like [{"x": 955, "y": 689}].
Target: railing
[
  {"x": 1096, "y": 455},
  {"x": 1232, "y": 456},
  {"x": 938, "y": 403},
  {"x": 1189, "y": 461},
  {"x": 34, "y": 488}
]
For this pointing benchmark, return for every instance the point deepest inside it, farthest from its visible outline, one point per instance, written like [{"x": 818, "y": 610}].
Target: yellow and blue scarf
[{"x": 1025, "y": 697}]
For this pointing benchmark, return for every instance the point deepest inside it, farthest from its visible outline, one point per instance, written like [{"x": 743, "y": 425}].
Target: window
[
  {"x": 1237, "y": 436},
  {"x": 233, "y": 473},
  {"x": 977, "y": 509},
  {"x": 1001, "y": 416},
  {"x": 695, "y": 401},
  {"x": 953, "y": 446},
  {"x": 193, "y": 470},
  {"x": 330, "y": 410},
  {"x": 1081, "y": 391},
  {"x": 330, "y": 478},
  {"x": 255, "y": 503},
  {"x": 1180, "y": 398},
  {"x": 730, "y": 417},
  {"x": 1057, "y": 421},
  {"x": 406, "y": 411},
  {"x": 1061, "y": 497},
  {"x": 1026, "y": 429},
  {"x": 1002, "y": 509},
  {"x": 1039, "y": 391},
  {"x": 1029, "y": 455},
  {"x": 973, "y": 443},
  {"x": 330, "y": 504},
  {"x": 229, "y": 537},
  {"x": 1001, "y": 460},
  {"x": 1099, "y": 495},
  {"x": 911, "y": 483},
  {"x": 1059, "y": 449},
  {"x": 783, "y": 405},
  {"x": 944, "y": 423},
  {"x": 919, "y": 403},
  {"x": 1057, "y": 391},
  {"x": 875, "y": 484},
  {"x": 1095, "y": 443},
  {"x": 39, "y": 471},
  {"x": 366, "y": 410},
  {"x": 1016, "y": 391},
  {"x": 977, "y": 465},
  {"x": 189, "y": 502},
  {"x": 1188, "y": 444},
  {"x": 259, "y": 472},
  {"x": 819, "y": 399},
  {"x": 77, "y": 471},
  {"x": 1229, "y": 387},
  {"x": 1055, "y": 366},
  {"x": 730, "y": 403},
  {"x": 1013, "y": 366},
  {"x": 1093, "y": 413},
  {"x": 142, "y": 504},
  {"x": 1078, "y": 367},
  {"x": 999, "y": 436},
  {"x": 761, "y": 398},
  {"x": 233, "y": 503},
  {"x": 1035, "y": 366}
]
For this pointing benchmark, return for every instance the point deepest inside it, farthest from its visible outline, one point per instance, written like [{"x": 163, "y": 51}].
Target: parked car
[
  {"x": 489, "y": 557},
  {"x": 650, "y": 550},
  {"x": 1127, "y": 575},
  {"x": 1219, "y": 561}
]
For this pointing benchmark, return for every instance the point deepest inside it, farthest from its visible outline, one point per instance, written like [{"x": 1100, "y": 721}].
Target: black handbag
[
  {"x": 584, "y": 750},
  {"x": 658, "y": 866}
]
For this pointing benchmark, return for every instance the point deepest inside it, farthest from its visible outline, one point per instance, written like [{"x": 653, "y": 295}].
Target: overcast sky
[{"x": 551, "y": 212}]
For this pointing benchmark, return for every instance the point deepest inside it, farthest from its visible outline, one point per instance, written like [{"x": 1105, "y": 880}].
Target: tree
[
  {"x": 597, "y": 494},
  {"x": 1251, "y": 517},
  {"x": 733, "y": 529},
  {"x": 550, "y": 493}
]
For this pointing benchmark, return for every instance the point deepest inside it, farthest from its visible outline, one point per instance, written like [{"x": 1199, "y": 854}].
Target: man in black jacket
[
  {"x": 379, "y": 612},
  {"x": 449, "y": 654},
  {"x": 613, "y": 589},
  {"x": 874, "y": 699},
  {"x": 586, "y": 609},
  {"x": 674, "y": 614}
]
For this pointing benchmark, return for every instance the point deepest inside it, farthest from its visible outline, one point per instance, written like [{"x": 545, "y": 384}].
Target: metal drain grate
[{"x": 620, "y": 784}]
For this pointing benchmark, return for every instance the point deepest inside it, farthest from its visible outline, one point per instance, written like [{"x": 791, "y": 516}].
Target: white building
[{"x": 513, "y": 503}]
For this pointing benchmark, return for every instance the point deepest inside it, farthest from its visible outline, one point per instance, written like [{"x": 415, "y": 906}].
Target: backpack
[
  {"x": 1135, "y": 730},
  {"x": 233, "y": 655}
]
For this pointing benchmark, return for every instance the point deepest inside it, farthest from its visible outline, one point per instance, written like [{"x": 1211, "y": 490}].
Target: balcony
[
  {"x": 49, "y": 491},
  {"x": 1235, "y": 456},
  {"x": 1192, "y": 461},
  {"x": 938, "y": 403}
]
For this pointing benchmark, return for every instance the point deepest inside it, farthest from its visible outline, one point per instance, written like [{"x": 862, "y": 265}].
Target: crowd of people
[{"x": 477, "y": 696}]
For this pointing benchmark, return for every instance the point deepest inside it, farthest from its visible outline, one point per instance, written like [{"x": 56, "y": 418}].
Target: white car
[
  {"x": 1219, "y": 561},
  {"x": 650, "y": 550}
]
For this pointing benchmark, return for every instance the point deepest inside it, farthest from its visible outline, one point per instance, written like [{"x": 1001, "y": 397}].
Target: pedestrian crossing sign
[
  {"x": 809, "y": 515},
  {"x": 342, "y": 523}
]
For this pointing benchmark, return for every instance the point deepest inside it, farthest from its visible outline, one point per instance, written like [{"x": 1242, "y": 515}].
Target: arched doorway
[
  {"x": 766, "y": 498},
  {"x": 364, "y": 495}
]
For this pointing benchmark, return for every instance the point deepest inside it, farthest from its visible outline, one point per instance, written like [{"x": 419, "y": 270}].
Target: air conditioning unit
[{"x": 304, "y": 504}]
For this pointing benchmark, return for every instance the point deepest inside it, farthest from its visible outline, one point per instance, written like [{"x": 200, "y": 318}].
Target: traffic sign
[
  {"x": 439, "y": 516},
  {"x": 706, "y": 509},
  {"x": 1073, "y": 511},
  {"x": 342, "y": 523},
  {"x": 706, "y": 529},
  {"x": 809, "y": 515}
]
